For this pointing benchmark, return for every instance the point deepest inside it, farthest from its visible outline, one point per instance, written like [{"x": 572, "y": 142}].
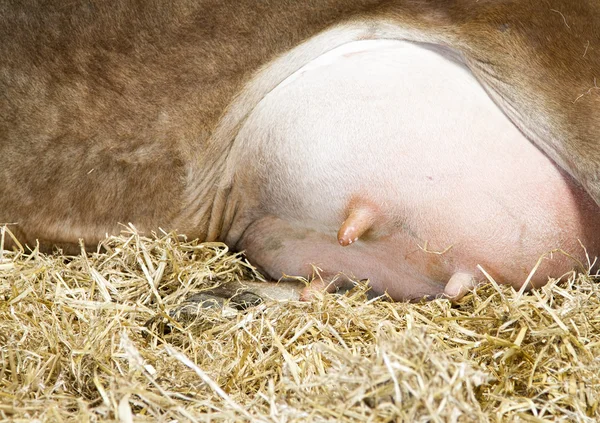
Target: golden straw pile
[{"x": 97, "y": 337}]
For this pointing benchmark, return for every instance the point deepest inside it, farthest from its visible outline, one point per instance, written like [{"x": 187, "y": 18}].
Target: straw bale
[{"x": 102, "y": 337}]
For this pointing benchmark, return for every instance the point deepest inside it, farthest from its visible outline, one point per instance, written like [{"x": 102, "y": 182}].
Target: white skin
[{"x": 387, "y": 161}]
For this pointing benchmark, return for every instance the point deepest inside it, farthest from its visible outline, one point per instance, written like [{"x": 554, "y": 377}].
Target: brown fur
[{"x": 107, "y": 109}]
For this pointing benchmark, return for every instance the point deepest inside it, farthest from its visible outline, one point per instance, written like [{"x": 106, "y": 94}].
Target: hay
[{"x": 83, "y": 339}]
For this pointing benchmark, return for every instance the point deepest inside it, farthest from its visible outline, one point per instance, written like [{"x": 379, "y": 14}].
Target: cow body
[{"x": 129, "y": 111}]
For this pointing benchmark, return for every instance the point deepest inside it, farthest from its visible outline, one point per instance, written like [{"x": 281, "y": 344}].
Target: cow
[{"x": 141, "y": 112}]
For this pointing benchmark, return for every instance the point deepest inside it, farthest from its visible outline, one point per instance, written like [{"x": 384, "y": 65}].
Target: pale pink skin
[{"x": 387, "y": 161}]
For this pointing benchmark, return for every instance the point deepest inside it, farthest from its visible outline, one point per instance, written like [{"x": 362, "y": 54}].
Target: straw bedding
[{"x": 102, "y": 337}]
